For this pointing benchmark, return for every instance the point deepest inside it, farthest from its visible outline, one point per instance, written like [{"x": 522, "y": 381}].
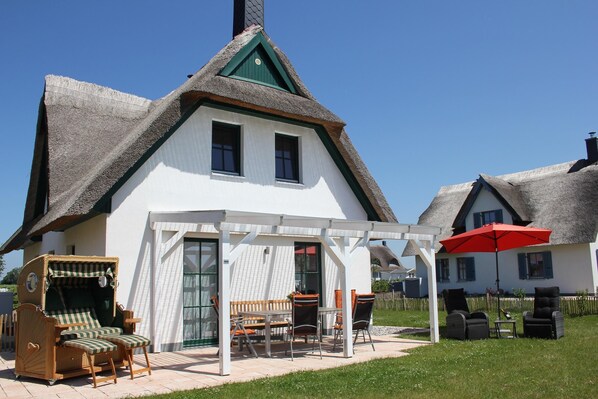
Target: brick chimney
[
  {"x": 592, "y": 147},
  {"x": 247, "y": 13}
]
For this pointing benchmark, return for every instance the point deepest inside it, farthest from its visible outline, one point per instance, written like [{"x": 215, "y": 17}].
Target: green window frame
[{"x": 308, "y": 268}]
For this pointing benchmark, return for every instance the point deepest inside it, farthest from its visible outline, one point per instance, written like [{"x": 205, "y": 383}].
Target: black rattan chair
[
  {"x": 460, "y": 323},
  {"x": 305, "y": 321},
  {"x": 547, "y": 320}
]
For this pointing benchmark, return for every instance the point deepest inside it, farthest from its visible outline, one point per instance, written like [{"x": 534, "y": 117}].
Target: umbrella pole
[{"x": 497, "y": 286}]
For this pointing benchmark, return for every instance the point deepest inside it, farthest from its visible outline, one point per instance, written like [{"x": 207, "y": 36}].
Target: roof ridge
[
  {"x": 540, "y": 172},
  {"x": 71, "y": 85}
]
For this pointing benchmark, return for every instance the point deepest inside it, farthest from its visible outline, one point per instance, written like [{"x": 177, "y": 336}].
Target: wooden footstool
[
  {"x": 128, "y": 342},
  {"x": 91, "y": 347}
]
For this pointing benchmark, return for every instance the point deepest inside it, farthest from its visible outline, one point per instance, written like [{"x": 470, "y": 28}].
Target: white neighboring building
[
  {"x": 386, "y": 265},
  {"x": 242, "y": 134},
  {"x": 563, "y": 198}
]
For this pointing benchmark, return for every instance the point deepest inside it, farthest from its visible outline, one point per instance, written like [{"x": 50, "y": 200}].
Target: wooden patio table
[{"x": 278, "y": 314}]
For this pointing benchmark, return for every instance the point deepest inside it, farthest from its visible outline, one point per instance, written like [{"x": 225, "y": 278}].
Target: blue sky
[{"x": 433, "y": 92}]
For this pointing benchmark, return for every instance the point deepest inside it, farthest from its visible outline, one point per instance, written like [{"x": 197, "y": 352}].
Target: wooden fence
[
  {"x": 570, "y": 306},
  {"x": 7, "y": 328}
]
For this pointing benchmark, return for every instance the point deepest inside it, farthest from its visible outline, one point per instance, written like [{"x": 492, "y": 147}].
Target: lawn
[{"x": 515, "y": 368}]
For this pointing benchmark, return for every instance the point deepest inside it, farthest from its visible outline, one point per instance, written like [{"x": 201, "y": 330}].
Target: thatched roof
[
  {"x": 389, "y": 261},
  {"x": 561, "y": 197},
  {"x": 95, "y": 137}
]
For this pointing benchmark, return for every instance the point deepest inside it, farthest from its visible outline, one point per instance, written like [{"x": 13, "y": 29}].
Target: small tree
[
  {"x": 2, "y": 264},
  {"x": 12, "y": 276},
  {"x": 520, "y": 294}
]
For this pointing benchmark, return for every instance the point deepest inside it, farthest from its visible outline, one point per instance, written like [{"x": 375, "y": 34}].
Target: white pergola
[{"x": 340, "y": 239}]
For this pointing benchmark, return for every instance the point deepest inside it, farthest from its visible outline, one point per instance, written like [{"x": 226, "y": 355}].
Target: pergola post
[
  {"x": 156, "y": 262},
  {"x": 224, "y": 297},
  {"x": 425, "y": 250},
  {"x": 339, "y": 255}
]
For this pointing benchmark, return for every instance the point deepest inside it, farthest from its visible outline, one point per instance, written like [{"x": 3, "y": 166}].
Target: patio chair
[
  {"x": 362, "y": 314},
  {"x": 460, "y": 323},
  {"x": 238, "y": 330},
  {"x": 338, "y": 303},
  {"x": 305, "y": 321},
  {"x": 547, "y": 320}
]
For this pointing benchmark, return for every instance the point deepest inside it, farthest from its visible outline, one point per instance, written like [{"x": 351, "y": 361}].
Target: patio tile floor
[{"x": 196, "y": 368}]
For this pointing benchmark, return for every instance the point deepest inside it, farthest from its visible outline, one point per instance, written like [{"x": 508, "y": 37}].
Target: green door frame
[{"x": 201, "y": 302}]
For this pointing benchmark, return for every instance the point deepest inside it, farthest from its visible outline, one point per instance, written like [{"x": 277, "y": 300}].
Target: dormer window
[{"x": 487, "y": 217}]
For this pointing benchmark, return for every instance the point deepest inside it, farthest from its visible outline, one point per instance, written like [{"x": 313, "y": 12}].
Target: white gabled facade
[
  {"x": 178, "y": 177},
  {"x": 574, "y": 266}
]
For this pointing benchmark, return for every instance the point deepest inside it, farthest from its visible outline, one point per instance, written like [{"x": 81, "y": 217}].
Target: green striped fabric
[
  {"x": 90, "y": 333},
  {"x": 83, "y": 315},
  {"x": 129, "y": 341},
  {"x": 79, "y": 269},
  {"x": 91, "y": 345}
]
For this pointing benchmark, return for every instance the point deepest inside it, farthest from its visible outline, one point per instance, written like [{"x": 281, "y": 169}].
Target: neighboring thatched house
[
  {"x": 237, "y": 183},
  {"x": 386, "y": 265},
  {"x": 563, "y": 198}
]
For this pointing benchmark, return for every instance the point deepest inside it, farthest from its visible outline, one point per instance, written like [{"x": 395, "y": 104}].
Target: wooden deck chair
[{"x": 238, "y": 330}]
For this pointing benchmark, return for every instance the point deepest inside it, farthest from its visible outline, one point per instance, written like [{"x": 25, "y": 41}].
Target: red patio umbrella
[{"x": 496, "y": 237}]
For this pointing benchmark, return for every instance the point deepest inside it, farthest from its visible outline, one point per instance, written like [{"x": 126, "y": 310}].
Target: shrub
[{"x": 380, "y": 286}]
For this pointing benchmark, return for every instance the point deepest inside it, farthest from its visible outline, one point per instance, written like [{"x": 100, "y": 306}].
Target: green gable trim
[{"x": 267, "y": 71}]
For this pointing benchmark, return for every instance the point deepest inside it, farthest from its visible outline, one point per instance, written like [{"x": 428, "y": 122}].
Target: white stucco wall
[
  {"x": 486, "y": 201},
  {"x": 570, "y": 264},
  {"x": 254, "y": 276},
  {"x": 178, "y": 177},
  {"x": 89, "y": 238}
]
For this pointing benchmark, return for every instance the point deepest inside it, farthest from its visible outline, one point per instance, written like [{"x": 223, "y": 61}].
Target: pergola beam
[{"x": 334, "y": 234}]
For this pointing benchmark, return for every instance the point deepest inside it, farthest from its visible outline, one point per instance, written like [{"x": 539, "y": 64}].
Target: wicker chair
[
  {"x": 546, "y": 321},
  {"x": 460, "y": 323}
]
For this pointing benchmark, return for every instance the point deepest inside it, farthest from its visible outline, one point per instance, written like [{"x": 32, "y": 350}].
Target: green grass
[{"x": 493, "y": 368}]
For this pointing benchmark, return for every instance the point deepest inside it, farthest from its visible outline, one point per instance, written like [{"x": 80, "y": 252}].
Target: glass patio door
[
  {"x": 200, "y": 282},
  {"x": 308, "y": 269}
]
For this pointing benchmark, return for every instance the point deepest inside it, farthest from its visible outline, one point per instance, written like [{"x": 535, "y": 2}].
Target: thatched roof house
[
  {"x": 90, "y": 139},
  {"x": 552, "y": 197},
  {"x": 562, "y": 197}
]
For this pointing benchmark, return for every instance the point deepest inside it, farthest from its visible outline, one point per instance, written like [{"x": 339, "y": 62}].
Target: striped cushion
[
  {"x": 91, "y": 333},
  {"x": 128, "y": 341},
  {"x": 83, "y": 315},
  {"x": 91, "y": 345}
]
